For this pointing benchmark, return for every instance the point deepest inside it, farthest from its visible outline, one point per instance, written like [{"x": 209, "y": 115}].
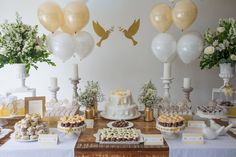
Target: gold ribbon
[{"x": 228, "y": 90}]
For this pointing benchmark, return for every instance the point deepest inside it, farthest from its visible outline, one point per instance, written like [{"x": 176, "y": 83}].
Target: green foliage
[
  {"x": 220, "y": 45},
  {"x": 91, "y": 94},
  {"x": 20, "y": 43},
  {"x": 148, "y": 95}
]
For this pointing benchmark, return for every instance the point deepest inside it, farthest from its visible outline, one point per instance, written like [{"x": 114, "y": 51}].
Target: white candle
[
  {"x": 75, "y": 75},
  {"x": 167, "y": 71},
  {"x": 53, "y": 82},
  {"x": 187, "y": 83}
]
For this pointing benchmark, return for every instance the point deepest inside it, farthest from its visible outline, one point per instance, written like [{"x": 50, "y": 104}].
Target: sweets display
[
  {"x": 170, "y": 121},
  {"x": 118, "y": 134},
  {"x": 211, "y": 111},
  {"x": 120, "y": 124},
  {"x": 72, "y": 121},
  {"x": 226, "y": 104},
  {"x": 29, "y": 128},
  {"x": 121, "y": 106}
]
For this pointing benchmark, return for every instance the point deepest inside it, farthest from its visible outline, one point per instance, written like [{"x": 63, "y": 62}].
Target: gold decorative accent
[
  {"x": 89, "y": 113},
  {"x": 30, "y": 101},
  {"x": 101, "y": 32},
  {"x": 148, "y": 114},
  {"x": 133, "y": 29},
  {"x": 228, "y": 90}
]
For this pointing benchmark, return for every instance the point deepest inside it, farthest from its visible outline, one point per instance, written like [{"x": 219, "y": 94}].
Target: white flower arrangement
[
  {"x": 91, "y": 94},
  {"x": 148, "y": 95},
  {"x": 20, "y": 43},
  {"x": 220, "y": 45}
]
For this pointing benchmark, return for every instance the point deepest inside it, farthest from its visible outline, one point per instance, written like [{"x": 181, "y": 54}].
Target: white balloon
[
  {"x": 62, "y": 45},
  {"x": 84, "y": 44},
  {"x": 164, "y": 46},
  {"x": 189, "y": 47},
  {"x": 50, "y": 40}
]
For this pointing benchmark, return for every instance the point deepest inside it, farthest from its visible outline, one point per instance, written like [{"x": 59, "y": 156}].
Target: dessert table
[
  {"x": 65, "y": 148},
  {"x": 86, "y": 146}
]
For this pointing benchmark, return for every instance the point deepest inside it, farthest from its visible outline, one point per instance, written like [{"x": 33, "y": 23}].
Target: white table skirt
[
  {"x": 34, "y": 149},
  {"x": 223, "y": 146}
]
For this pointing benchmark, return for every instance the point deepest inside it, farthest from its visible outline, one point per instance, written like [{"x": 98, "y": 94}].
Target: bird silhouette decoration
[
  {"x": 101, "y": 32},
  {"x": 133, "y": 29}
]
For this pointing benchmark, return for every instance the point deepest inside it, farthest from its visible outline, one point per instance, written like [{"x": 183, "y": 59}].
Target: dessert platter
[
  {"x": 170, "y": 125},
  {"x": 29, "y": 128},
  {"x": 120, "y": 124},
  {"x": 230, "y": 107},
  {"x": 121, "y": 106},
  {"x": 211, "y": 112},
  {"x": 71, "y": 124},
  {"x": 119, "y": 136}
]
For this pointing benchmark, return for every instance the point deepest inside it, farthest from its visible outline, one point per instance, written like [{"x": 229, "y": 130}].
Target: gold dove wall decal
[
  {"x": 128, "y": 33},
  {"x": 133, "y": 29},
  {"x": 101, "y": 32}
]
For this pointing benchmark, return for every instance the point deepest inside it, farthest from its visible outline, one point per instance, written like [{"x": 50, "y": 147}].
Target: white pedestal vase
[
  {"x": 226, "y": 91},
  {"x": 227, "y": 71},
  {"x": 22, "y": 75}
]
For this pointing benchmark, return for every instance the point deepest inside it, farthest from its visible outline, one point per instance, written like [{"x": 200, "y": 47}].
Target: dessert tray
[
  {"x": 66, "y": 130},
  {"x": 120, "y": 140},
  {"x": 104, "y": 115},
  {"x": 120, "y": 124},
  {"x": 71, "y": 125},
  {"x": 29, "y": 128},
  {"x": 22, "y": 140},
  {"x": 170, "y": 129},
  {"x": 211, "y": 112}
]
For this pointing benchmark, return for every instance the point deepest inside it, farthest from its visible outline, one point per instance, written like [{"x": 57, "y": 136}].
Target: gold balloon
[
  {"x": 50, "y": 15},
  {"x": 76, "y": 16},
  {"x": 184, "y": 14},
  {"x": 161, "y": 17},
  {"x": 65, "y": 29}
]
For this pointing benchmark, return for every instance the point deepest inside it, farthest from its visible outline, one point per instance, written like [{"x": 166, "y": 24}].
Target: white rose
[
  {"x": 2, "y": 51},
  {"x": 215, "y": 43},
  {"x": 233, "y": 57},
  {"x": 209, "y": 50},
  {"x": 220, "y": 29}
]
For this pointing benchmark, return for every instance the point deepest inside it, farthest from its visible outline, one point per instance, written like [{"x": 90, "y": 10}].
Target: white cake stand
[{"x": 104, "y": 115}]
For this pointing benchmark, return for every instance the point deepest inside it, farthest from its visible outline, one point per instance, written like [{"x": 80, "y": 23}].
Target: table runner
[
  {"x": 223, "y": 146},
  {"x": 65, "y": 148}
]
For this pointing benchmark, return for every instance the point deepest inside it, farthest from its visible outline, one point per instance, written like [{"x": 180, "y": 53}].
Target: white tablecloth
[
  {"x": 65, "y": 148},
  {"x": 223, "y": 146}
]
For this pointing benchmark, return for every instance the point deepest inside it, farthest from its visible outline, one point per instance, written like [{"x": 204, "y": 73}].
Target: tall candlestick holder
[
  {"x": 167, "y": 82},
  {"x": 187, "y": 92},
  {"x": 75, "y": 95},
  {"x": 54, "y": 91}
]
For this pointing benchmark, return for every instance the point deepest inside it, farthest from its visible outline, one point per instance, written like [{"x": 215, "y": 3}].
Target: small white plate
[
  {"x": 4, "y": 133},
  {"x": 109, "y": 125}
]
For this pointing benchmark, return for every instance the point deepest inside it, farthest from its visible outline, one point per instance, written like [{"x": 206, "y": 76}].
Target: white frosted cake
[{"x": 121, "y": 106}]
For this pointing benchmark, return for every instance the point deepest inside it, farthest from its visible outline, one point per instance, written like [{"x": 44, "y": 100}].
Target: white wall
[{"x": 117, "y": 64}]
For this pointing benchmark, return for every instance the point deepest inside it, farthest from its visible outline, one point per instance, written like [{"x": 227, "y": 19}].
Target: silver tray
[{"x": 141, "y": 139}]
